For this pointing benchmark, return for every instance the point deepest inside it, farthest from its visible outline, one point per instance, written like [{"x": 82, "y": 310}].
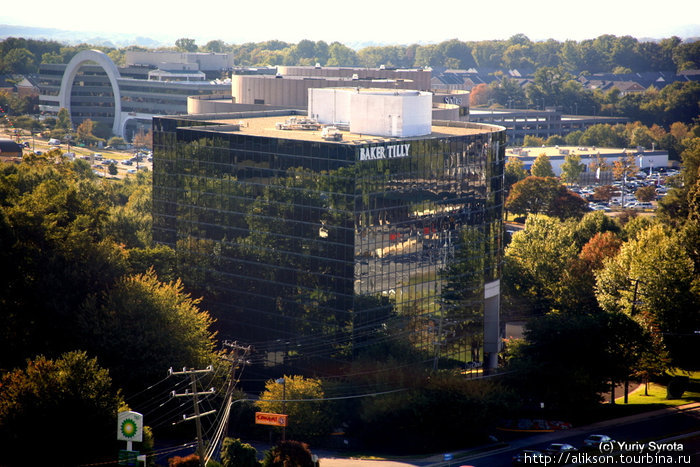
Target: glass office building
[{"x": 315, "y": 251}]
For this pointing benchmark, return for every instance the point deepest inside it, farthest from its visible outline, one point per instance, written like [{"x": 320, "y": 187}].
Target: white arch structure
[{"x": 108, "y": 66}]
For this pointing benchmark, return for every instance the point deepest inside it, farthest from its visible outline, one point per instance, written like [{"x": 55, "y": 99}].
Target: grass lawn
[
  {"x": 657, "y": 392},
  {"x": 657, "y": 396}
]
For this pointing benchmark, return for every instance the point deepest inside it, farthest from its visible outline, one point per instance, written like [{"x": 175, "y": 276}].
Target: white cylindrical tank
[{"x": 376, "y": 112}]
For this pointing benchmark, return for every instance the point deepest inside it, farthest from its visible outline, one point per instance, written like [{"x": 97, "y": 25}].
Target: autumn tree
[
  {"x": 645, "y": 193},
  {"x": 307, "y": 420},
  {"x": 624, "y": 166},
  {"x": 532, "y": 195}
]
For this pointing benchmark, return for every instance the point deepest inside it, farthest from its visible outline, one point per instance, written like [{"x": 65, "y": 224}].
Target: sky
[{"x": 363, "y": 21}]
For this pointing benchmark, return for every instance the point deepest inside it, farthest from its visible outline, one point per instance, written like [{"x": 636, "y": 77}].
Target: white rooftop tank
[{"x": 376, "y": 112}]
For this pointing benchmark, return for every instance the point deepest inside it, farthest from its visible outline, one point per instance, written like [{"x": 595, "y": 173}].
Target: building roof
[{"x": 267, "y": 127}]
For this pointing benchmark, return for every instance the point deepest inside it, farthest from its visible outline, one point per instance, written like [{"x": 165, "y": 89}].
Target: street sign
[{"x": 274, "y": 419}]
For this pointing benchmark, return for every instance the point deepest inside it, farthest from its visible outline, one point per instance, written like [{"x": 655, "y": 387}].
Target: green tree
[
  {"x": 537, "y": 264},
  {"x": 652, "y": 280},
  {"x": 235, "y": 453},
  {"x": 18, "y": 61},
  {"x": 40, "y": 401},
  {"x": 515, "y": 171},
  {"x": 531, "y": 141},
  {"x": 307, "y": 420},
  {"x": 112, "y": 169},
  {"x": 158, "y": 322},
  {"x": 542, "y": 167},
  {"x": 341, "y": 55},
  {"x": 566, "y": 374},
  {"x": 63, "y": 119},
  {"x": 572, "y": 168},
  {"x": 185, "y": 44}
]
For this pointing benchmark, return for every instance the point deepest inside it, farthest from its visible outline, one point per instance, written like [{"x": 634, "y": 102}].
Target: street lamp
[{"x": 283, "y": 382}]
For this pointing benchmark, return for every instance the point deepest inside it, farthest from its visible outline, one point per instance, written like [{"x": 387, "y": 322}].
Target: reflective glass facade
[{"x": 322, "y": 249}]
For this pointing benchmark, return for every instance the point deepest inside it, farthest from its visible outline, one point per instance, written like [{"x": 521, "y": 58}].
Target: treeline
[{"x": 606, "y": 53}]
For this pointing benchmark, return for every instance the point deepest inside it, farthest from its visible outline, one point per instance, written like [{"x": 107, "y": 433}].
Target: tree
[
  {"x": 216, "y": 46},
  {"x": 84, "y": 131},
  {"x": 63, "y": 119},
  {"x": 646, "y": 193},
  {"x": 158, "y": 322},
  {"x": 553, "y": 367},
  {"x": 515, "y": 171},
  {"x": 116, "y": 141},
  {"x": 18, "y": 61},
  {"x": 567, "y": 204},
  {"x": 112, "y": 169},
  {"x": 624, "y": 166},
  {"x": 652, "y": 281},
  {"x": 542, "y": 167},
  {"x": 532, "y": 195},
  {"x": 604, "y": 192},
  {"x": 572, "y": 168},
  {"x": 47, "y": 397},
  {"x": 532, "y": 141},
  {"x": 185, "y": 44},
  {"x": 341, "y": 55},
  {"x": 537, "y": 262},
  {"x": 307, "y": 420},
  {"x": 235, "y": 453}
]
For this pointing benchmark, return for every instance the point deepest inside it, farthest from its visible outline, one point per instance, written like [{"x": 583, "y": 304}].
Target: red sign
[{"x": 275, "y": 419}]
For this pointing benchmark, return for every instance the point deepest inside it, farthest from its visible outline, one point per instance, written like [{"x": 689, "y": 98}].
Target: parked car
[
  {"x": 528, "y": 456},
  {"x": 593, "y": 442}
]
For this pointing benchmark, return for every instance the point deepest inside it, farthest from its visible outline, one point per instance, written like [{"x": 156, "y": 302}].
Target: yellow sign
[{"x": 275, "y": 419}]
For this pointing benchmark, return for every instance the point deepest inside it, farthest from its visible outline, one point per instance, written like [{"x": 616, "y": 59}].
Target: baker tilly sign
[{"x": 384, "y": 152}]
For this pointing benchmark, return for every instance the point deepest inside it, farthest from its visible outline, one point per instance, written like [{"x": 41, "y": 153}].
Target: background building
[
  {"x": 124, "y": 99},
  {"x": 643, "y": 158},
  {"x": 315, "y": 250}
]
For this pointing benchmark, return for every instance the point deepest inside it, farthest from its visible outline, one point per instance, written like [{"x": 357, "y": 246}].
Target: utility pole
[
  {"x": 237, "y": 358},
  {"x": 192, "y": 373}
]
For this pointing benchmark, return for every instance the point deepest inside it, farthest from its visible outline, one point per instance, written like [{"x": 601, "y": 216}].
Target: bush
[
  {"x": 190, "y": 461},
  {"x": 289, "y": 453},
  {"x": 676, "y": 387},
  {"x": 235, "y": 453}
]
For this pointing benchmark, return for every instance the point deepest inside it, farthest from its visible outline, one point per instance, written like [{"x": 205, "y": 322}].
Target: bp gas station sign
[
  {"x": 129, "y": 429},
  {"x": 130, "y": 426}
]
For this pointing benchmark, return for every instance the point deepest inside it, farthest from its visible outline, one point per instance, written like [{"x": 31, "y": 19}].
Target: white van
[{"x": 54, "y": 142}]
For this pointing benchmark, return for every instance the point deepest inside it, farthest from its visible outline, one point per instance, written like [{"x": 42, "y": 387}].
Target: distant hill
[{"x": 79, "y": 37}]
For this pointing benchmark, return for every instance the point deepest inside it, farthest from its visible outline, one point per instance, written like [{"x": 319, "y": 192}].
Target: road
[
  {"x": 659, "y": 425},
  {"x": 643, "y": 428}
]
